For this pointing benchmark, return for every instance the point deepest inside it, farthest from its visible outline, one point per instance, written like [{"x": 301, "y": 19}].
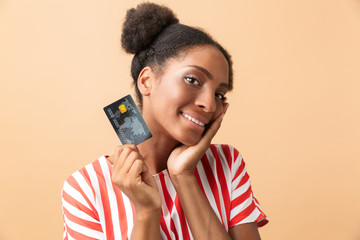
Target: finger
[
  {"x": 132, "y": 146},
  {"x": 118, "y": 149},
  {"x": 136, "y": 169},
  {"x": 113, "y": 158},
  {"x": 217, "y": 122},
  {"x": 212, "y": 130},
  {"x": 131, "y": 158},
  {"x": 226, "y": 106},
  {"x": 119, "y": 162},
  {"x": 146, "y": 176},
  {"x": 210, "y": 133}
]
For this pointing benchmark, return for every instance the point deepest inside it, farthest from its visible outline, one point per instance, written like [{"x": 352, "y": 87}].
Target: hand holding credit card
[{"x": 127, "y": 121}]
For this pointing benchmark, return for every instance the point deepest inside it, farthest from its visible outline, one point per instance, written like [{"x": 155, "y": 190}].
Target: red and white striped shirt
[{"x": 95, "y": 208}]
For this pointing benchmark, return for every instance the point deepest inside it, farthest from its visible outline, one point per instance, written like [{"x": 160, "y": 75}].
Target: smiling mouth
[{"x": 193, "y": 120}]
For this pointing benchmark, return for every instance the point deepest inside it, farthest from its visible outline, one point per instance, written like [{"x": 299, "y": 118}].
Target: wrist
[
  {"x": 147, "y": 224},
  {"x": 180, "y": 173},
  {"x": 183, "y": 178},
  {"x": 147, "y": 214}
]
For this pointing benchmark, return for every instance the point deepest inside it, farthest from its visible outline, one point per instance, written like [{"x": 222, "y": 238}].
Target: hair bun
[{"x": 143, "y": 24}]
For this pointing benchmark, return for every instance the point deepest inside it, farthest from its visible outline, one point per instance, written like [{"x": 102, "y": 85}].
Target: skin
[{"x": 193, "y": 83}]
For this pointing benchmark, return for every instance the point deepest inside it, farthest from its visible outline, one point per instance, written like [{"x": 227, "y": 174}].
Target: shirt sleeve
[
  {"x": 244, "y": 207},
  {"x": 80, "y": 216}
]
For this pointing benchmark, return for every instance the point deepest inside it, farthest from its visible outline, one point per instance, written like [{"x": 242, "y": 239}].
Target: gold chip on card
[{"x": 122, "y": 108}]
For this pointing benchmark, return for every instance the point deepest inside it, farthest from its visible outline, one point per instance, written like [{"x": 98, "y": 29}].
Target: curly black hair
[{"x": 153, "y": 33}]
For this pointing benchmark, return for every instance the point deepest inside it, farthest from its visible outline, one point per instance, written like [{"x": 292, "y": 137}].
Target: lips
[{"x": 193, "y": 119}]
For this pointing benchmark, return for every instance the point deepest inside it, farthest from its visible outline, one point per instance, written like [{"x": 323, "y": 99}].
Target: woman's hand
[
  {"x": 183, "y": 159},
  {"x": 132, "y": 176},
  {"x": 201, "y": 218}
]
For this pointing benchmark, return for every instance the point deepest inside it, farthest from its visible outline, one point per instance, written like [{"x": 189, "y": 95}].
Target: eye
[
  {"x": 220, "y": 96},
  {"x": 192, "y": 80}
]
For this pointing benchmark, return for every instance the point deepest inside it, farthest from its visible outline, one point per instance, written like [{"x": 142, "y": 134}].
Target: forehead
[{"x": 206, "y": 57}]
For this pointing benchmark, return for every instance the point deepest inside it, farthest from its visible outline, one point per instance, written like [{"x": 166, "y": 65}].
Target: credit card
[{"x": 127, "y": 121}]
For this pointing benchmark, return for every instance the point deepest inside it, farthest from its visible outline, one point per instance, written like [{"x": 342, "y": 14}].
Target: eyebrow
[{"x": 208, "y": 74}]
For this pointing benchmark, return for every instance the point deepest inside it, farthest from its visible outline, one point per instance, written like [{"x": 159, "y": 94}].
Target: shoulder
[
  {"x": 82, "y": 191},
  {"x": 224, "y": 153},
  {"x": 226, "y": 150},
  {"x": 221, "y": 159},
  {"x": 89, "y": 176}
]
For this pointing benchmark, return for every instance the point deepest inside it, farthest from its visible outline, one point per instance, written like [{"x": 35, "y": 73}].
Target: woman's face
[{"x": 188, "y": 95}]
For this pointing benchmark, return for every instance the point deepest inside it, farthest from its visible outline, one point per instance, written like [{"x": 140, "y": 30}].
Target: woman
[{"x": 176, "y": 185}]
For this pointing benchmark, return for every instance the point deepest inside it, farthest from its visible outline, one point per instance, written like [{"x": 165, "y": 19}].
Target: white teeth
[{"x": 193, "y": 120}]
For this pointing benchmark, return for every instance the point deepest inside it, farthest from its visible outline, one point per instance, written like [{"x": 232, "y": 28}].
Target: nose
[{"x": 206, "y": 101}]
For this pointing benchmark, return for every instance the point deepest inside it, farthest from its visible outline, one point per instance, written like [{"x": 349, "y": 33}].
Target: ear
[{"x": 145, "y": 80}]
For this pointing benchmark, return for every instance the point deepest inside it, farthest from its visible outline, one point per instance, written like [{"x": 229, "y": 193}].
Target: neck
[
  {"x": 158, "y": 148},
  {"x": 156, "y": 152}
]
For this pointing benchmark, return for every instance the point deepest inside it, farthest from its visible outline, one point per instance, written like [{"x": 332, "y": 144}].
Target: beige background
[{"x": 294, "y": 112}]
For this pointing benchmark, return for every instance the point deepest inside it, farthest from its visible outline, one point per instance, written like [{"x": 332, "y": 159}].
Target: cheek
[
  {"x": 167, "y": 100},
  {"x": 219, "y": 109},
  {"x": 176, "y": 94}
]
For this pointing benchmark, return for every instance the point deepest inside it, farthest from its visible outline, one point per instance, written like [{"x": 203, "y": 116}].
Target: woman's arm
[
  {"x": 147, "y": 225},
  {"x": 202, "y": 220},
  {"x": 245, "y": 231},
  {"x": 132, "y": 176}
]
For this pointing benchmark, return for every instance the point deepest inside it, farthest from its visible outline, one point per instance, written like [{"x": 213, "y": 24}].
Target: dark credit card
[{"x": 127, "y": 121}]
